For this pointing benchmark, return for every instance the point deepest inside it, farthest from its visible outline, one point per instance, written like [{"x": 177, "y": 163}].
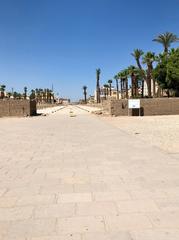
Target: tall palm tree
[
  {"x": 134, "y": 84},
  {"x": 137, "y": 54},
  {"x": 85, "y": 93},
  {"x": 110, "y": 87},
  {"x": 98, "y": 72},
  {"x": 9, "y": 94},
  {"x": 49, "y": 95},
  {"x": 123, "y": 75},
  {"x": 41, "y": 93},
  {"x": 116, "y": 77},
  {"x": 25, "y": 92},
  {"x": 126, "y": 74},
  {"x": 106, "y": 86},
  {"x": 148, "y": 59},
  {"x": 166, "y": 39},
  {"x": 106, "y": 92},
  {"x": 32, "y": 95},
  {"x": 2, "y": 90}
]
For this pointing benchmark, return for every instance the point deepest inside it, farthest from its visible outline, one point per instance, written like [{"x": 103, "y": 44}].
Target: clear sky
[{"x": 64, "y": 41}]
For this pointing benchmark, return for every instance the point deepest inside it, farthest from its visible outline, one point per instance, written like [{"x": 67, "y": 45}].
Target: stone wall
[
  {"x": 18, "y": 108},
  {"x": 149, "y": 107}
]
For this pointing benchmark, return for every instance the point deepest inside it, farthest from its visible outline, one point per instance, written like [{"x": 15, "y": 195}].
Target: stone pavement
[
  {"x": 49, "y": 110},
  {"x": 78, "y": 178}
]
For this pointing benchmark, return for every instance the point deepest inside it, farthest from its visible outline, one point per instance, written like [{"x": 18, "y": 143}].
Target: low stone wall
[
  {"x": 18, "y": 108},
  {"x": 149, "y": 107},
  {"x": 98, "y": 105}
]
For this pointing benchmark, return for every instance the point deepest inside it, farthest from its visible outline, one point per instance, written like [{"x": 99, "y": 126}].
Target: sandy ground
[
  {"x": 82, "y": 178},
  {"x": 49, "y": 110},
  {"x": 160, "y": 131},
  {"x": 88, "y": 108}
]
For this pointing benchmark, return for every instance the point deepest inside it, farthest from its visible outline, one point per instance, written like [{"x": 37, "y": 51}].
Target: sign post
[{"x": 134, "y": 104}]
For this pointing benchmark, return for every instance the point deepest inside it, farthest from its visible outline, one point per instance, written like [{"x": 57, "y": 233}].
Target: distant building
[{"x": 63, "y": 101}]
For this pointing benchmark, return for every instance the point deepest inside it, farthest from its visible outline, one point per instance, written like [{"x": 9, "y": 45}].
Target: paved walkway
[{"x": 78, "y": 178}]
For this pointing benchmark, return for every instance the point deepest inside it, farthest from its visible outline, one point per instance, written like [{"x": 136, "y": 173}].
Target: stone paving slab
[{"x": 82, "y": 179}]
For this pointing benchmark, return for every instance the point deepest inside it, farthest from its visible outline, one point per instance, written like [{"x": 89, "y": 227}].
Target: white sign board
[{"x": 133, "y": 103}]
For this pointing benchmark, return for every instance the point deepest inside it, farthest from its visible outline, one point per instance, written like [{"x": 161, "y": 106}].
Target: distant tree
[
  {"x": 15, "y": 95},
  {"x": 32, "y": 95},
  {"x": 98, "y": 72},
  {"x": 85, "y": 93},
  {"x": 2, "y": 90},
  {"x": 132, "y": 72},
  {"x": 25, "y": 92},
  {"x": 49, "y": 95},
  {"x": 123, "y": 75},
  {"x": 116, "y": 77},
  {"x": 148, "y": 59},
  {"x": 110, "y": 87},
  {"x": 138, "y": 54},
  {"x": 166, "y": 39},
  {"x": 122, "y": 78},
  {"x": 106, "y": 90},
  {"x": 9, "y": 94}
]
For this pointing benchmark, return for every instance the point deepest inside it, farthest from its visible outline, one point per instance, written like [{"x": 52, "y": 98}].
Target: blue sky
[{"x": 64, "y": 41}]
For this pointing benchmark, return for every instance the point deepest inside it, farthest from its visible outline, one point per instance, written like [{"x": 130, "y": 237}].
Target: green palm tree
[
  {"x": 98, "y": 72},
  {"x": 32, "y": 95},
  {"x": 126, "y": 74},
  {"x": 110, "y": 86},
  {"x": 85, "y": 93},
  {"x": 123, "y": 75},
  {"x": 49, "y": 95},
  {"x": 9, "y": 94},
  {"x": 137, "y": 54},
  {"x": 106, "y": 86},
  {"x": 25, "y": 92},
  {"x": 148, "y": 59},
  {"x": 41, "y": 94},
  {"x": 2, "y": 90},
  {"x": 116, "y": 77},
  {"x": 134, "y": 74},
  {"x": 166, "y": 39}
]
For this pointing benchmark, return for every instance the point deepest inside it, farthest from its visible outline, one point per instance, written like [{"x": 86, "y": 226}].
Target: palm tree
[
  {"x": 9, "y": 94},
  {"x": 137, "y": 54},
  {"x": 25, "y": 92},
  {"x": 32, "y": 95},
  {"x": 15, "y": 95},
  {"x": 106, "y": 86},
  {"x": 110, "y": 86},
  {"x": 166, "y": 39},
  {"x": 126, "y": 74},
  {"x": 37, "y": 94},
  {"x": 123, "y": 75},
  {"x": 85, "y": 93},
  {"x": 132, "y": 72},
  {"x": 116, "y": 77},
  {"x": 98, "y": 72},
  {"x": 49, "y": 95},
  {"x": 41, "y": 94},
  {"x": 2, "y": 90},
  {"x": 148, "y": 59}
]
